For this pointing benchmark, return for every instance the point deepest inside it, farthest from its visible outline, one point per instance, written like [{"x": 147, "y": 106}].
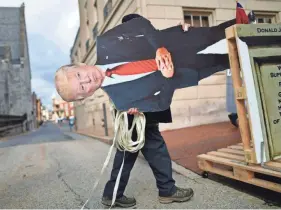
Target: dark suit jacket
[{"x": 138, "y": 40}]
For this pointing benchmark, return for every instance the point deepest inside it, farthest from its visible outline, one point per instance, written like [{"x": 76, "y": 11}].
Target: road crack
[{"x": 60, "y": 177}]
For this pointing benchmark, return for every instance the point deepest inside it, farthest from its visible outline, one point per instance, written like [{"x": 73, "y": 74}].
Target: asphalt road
[{"x": 53, "y": 168}]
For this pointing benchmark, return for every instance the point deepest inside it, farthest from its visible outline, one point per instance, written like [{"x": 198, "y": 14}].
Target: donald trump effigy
[{"x": 140, "y": 67}]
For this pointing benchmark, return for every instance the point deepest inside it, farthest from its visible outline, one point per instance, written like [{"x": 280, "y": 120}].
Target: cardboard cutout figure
[{"x": 120, "y": 49}]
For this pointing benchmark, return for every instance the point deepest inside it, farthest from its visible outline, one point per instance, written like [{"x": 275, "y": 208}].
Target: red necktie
[{"x": 137, "y": 67}]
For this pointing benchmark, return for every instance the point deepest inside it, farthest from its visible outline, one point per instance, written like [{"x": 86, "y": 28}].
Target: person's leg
[
  {"x": 121, "y": 200},
  {"x": 233, "y": 117},
  {"x": 156, "y": 153}
]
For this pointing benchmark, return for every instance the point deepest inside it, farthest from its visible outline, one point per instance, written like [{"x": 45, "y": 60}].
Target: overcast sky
[{"x": 51, "y": 28}]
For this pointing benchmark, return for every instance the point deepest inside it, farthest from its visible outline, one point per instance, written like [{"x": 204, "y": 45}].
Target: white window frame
[
  {"x": 202, "y": 12},
  {"x": 272, "y": 15}
]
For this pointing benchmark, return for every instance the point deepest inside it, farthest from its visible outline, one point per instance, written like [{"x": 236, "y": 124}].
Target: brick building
[
  {"x": 15, "y": 79},
  {"x": 62, "y": 109},
  {"x": 38, "y": 111},
  {"x": 202, "y": 104},
  {"x": 35, "y": 108}
]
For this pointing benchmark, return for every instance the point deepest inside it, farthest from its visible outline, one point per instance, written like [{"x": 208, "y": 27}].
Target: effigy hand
[
  {"x": 185, "y": 26},
  {"x": 133, "y": 111},
  {"x": 164, "y": 62}
]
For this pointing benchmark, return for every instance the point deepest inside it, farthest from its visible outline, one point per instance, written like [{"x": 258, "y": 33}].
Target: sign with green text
[
  {"x": 271, "y": 94},
  {"x": 259, "y": 49}
]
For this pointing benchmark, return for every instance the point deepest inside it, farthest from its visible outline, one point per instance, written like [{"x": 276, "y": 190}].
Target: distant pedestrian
[{"x": 71, "y": 122}]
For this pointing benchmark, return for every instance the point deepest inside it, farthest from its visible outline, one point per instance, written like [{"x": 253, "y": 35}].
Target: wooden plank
[
  {"x": 239, "y": 174},
  {"x": 231, "y": 151},
  {"x": 240, "y": 93},
  {"x": 251, "y": 143},
  {"x": 274, "y": 165},
  {"x": 250, "y": 156},
  {"x": 227, "y": 155},
  {"x": 237, "y": 147},
  {"x": 242, "y": 165},
  {"x": 230, "y": 32},
  {"x": 242, "y": 174},
  {"x": 237, "y": 83},
  {"x": 204, "y": 165},
  {"x": 266, "y": 184}
]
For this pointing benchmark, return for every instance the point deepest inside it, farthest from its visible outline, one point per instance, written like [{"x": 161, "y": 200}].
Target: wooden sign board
[
  {"x": 269, "y": 77},
  {"x": 259, "y": 50}
]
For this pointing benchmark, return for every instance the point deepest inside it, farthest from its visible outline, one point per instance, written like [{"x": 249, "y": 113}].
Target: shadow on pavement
[{"x": 269, "y": 197}]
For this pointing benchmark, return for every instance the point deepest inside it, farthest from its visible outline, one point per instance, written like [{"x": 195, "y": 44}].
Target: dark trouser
[{"x": 156, "y": 153}]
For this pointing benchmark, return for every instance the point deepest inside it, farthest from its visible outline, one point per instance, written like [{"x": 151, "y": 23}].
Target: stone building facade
[
  {"x": 15, "y": 80},
  {"x": 202, "y": 104}
]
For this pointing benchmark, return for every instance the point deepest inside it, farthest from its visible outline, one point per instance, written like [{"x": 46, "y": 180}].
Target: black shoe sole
[{"x": 117, "y": 204}]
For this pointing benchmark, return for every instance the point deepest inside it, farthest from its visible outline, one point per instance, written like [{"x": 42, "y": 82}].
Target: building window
[
  {"x": 197, "y": 19},
  {"x": 266, "y": 18},
  {"x": 107, "y": 9},
  {"x": 95, "y": 31},
  {"x": 87, "y": 45}
]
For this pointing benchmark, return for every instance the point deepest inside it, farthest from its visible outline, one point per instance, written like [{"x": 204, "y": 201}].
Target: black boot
[
  {"x": 181, "y": 195},
  {"x": 233, "y": 119},
  {"x": 123, "y": 202}
]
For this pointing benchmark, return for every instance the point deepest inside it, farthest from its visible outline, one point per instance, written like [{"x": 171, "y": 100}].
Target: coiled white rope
[{"x": 123, "y": 142}]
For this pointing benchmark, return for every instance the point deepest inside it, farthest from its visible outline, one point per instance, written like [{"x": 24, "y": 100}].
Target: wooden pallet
[
  {"x": 230, "y": 162},
  {"x": 239, "y": 161}
]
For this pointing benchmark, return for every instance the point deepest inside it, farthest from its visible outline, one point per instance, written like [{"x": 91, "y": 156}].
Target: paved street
[{"x": 53, "y": 168}]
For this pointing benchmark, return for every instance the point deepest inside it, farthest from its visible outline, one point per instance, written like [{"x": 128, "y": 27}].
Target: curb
[
  {"x": 102, "y": 139},
  {"x": 175, "y": 167}
]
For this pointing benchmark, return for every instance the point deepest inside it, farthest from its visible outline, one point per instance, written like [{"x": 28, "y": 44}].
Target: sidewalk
[{"x": 186, "y": 144}]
